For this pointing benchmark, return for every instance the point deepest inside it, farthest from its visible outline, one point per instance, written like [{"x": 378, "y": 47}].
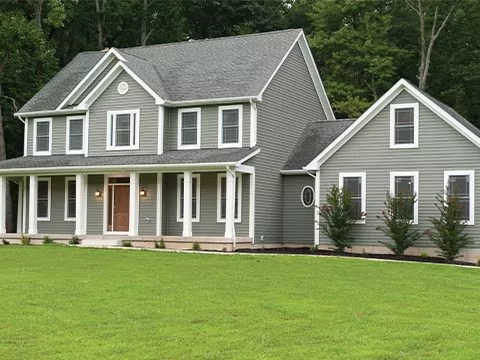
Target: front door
[{"x": 118, "y": 204}]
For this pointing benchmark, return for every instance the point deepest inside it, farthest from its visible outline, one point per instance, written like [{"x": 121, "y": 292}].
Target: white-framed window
[
  {"x": 44, "y": 197},
  {"x": 307, "y": 196},
  {"x": 230, "y": 119},
  {"x": 42, "y": 136},
  {"x": 189, "y": 128},
  {"x": 462, "y": 184},
  {"x": 195, "y": 198},
  {"x": 356, "y": 184},
  {"x": 222, "y": 198},
  {"x": 123, "y": 130},
  {"x": 70, "y": 198},
  {"x": 404, "y": 126},
  {"x": 406, "y": 183},
  {"x": 75, "y": 134}
]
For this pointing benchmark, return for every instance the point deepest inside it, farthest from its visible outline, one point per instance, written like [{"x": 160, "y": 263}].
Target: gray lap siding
[
  {"x": 441, "y": 148},
  {"x": 59, "y": 130}
]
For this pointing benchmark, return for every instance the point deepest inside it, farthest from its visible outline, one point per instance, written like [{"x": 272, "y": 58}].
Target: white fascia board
[
  {"x": 294, "y": 172},
  {"x": 227, "y": 100},
  {"x": 50, "y": 113},
  {"x": 249, "y": 156}
]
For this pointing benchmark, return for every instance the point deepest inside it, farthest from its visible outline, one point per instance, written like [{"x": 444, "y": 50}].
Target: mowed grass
[{"x": 72, "y": 303}]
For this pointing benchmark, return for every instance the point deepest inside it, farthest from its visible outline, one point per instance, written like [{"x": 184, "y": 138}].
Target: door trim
[{"x": 105, "y": 203}]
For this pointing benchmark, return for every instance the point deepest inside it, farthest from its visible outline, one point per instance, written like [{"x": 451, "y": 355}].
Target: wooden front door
[{"x": 118, "y": 207}]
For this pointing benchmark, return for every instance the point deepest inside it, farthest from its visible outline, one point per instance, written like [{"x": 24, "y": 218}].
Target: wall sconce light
[
  {"x": 98, "y": 193},
  {"x": 143, "y": 192}
]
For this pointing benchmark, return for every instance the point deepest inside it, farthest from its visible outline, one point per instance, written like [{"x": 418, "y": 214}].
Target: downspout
[{"x": 235, "y": 189}]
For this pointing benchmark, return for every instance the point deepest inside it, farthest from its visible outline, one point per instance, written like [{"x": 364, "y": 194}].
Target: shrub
[
  {"x": 337, "y": 218},
  {"x": 160, "y": 244},
  {"x": 424, "y": 255},
  {"x": 25, "y": 239},
  {"x": 5, "y": 242},
  {"x": 448, "y": 229},
  {"x": 196, "y": 246},
  {"x": 75, "y": 240},
  {"x": 126, "y": 243},
  {"x": 47, "y": 240},
  {"x": 397, "y": 220}
]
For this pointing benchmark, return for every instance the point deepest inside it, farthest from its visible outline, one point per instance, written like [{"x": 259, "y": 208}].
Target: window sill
[
  {"x": 115, "y": 148},
  {"x": 42, "y": 153},
  {"x": 43, "y": 219},
  {"x": 75, "y": 152},
  {"x": 403, "y": 146},
  {"x": 188, "y": 147},
  {"x": 236, "y": 221},
  {"x": 229, "y": 145}
]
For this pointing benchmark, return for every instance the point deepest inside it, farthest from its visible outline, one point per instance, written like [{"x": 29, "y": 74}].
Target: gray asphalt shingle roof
[
  {"x": 314, "y": 139},
  {"x": 226, "y": 67}
]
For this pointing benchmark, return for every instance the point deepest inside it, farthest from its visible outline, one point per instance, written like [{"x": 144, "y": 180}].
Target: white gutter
[
  {"x": 294, "y": 172},
  {"x": 227, "y": 100},
  {"x": 49, "y": 113}
]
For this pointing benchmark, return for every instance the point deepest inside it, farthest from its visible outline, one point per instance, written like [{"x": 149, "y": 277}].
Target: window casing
[
  {"x": 230, "y": 120},
  {"x": 42, "y": 136},
  {"x": 70, "y": 198},
  {"x": 222, "y": 198},
  {"x": 462, "y": 183},
  {"x": 404, "y": 126},
  {"x": 123, "y": 130},
  {"x": 75, "y": 134},
  {"x": 307, "y": 196},
  {"x": 44, "y": 195},
  {"x": 356, "y": 183},
  {"x": 406, "y": 182},
  {"x": 189, "y": 128},
  {"x": 195, "y": 198}
]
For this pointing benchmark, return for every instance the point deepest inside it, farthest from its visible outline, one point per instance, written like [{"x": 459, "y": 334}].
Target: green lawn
[{"x": 72, "y": 303}]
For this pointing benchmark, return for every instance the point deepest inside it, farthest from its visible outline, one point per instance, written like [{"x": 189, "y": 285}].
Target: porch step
[{"x": 101, "y": 242}]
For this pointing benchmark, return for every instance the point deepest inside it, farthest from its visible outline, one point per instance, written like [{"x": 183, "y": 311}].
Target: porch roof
[{"x": 171, "y": 159}]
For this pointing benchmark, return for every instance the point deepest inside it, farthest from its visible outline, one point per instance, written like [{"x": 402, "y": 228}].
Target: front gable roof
[{"x": 446, "y": 113}]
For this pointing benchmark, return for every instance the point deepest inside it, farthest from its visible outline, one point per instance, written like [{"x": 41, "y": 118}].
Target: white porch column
[
  {"x": 80, "y": 204},
  {"x": 159, "y": 203},
  {"x": 230, "y": 205},
  {"x": 24, "y": 206},
  {"x": 251, "y": 216},
  {"x": 187, "y": 204},
  {"x": 317, "y": 209},
  {"x": 32, "y": 205},
  {"x": 134, "y": 204},
  {"x": 20, "y": 207},
  {"x": 3, "y": 204}
]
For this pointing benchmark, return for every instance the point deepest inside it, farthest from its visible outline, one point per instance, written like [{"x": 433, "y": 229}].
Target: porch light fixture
[
  {"x": 98, "y": 193},
  {"x": 143, "y": 192}
]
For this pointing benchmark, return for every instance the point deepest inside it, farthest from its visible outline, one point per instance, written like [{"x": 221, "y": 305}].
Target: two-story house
[{"x": 181, "y": 141}]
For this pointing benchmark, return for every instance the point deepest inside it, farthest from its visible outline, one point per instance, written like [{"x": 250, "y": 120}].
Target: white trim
[
  {"x": 363, "y": 177},
  {"x": 394, "y": 107},
  {"x": 253, "y": 123},
  {"x": 46, "y": 113},
  {"x": 134, "y": 128},
  {"x": 80, "y": 204},
  {"x": 238, "y": 180},
  {"x": 49, "y": 181},
  {"x": 294, "y": 172},
  {"x": 248, "y": 157},
  {"x": 20, "y": 208},
  {"x": 380, "y": 104},
  {"x": 159, "y": 205},
  {"x": 87, "y": 130},
  {"x": 251, "y": 214},
  {"x": 32, "y": 205},
  {"x": 106, "y": 201},
  {"x": 25, "y": 138},
  {"x": 247, "y": 169},
  {"x": 66, "y": 218},
  {"x": 198, "y": 112},
  {"x": 67, "y": 140},
  {"x": 134, "y": 208},
  {"x": 24, "y": 205},
  {"x": 197, "y": 190},
  {"x": 316, "y": 216},
  {"x": 393, "y": 175},
  {"x": 3, "y": 205},
  {"x": 161, "y": 127},
  {"x": 301, "y": 196},
  {"x": 212, "y": 101},
  {"x": 471, "y": 175},
  {"x": 50, "y": 135},
  {"x": 222, "y": 145}
]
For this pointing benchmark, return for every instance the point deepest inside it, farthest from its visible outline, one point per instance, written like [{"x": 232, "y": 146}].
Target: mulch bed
[{"x": 309, "y": 251}]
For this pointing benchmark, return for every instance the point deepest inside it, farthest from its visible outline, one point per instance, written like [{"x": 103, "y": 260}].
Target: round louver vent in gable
[{"x": 122, "y": 88}]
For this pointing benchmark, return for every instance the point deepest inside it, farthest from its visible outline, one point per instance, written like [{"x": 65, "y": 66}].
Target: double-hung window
[
  {"x": 462, "y": 185},
  {"x": 403, "y": 126},
  {"x": 230, "y": 120},
  {"x": 42, "y": 136},
  {"x": 123, "y": 130},
  {"x": 75, "y": 127},
  {"x": 70, "y": 198},
  {"x": 195, "y": 198},
  {"x": 222, "y": 198},
  {"x": 405, "y": 183},
  {"x": 43, "y": 199},
  {"x": 355, "y": 184},
  {"x": 189, "y": 127}
]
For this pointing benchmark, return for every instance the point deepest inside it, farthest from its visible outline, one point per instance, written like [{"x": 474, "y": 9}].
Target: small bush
[
  {"x": 47, "y": 240},
  {"x": 160, "y": 244},
  {"x": 25, "y": 239},
  {"x": 478, "y": 262},
  {"x": 126, "y": 243},
  {"x": 337, "y": 218},
  {"x": 448, "y": 229},
  {"x": 397, "y": 219},
  {"x": 196, "y": 246},
  {"x": 75, "y": 240},
  {"x": 424, "y": 255},
  {"x": 5, "y": 242}
]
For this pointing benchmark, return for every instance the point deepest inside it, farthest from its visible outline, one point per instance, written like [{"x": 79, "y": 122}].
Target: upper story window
[
  {"x": 356, "y": 185},
  {"x": 75, "y": 137},
  {"x": 222, "y": 198},
  {"x": 230, "y": 120},
  {"x": 189, "y": 121},
  {"x": 406, "y": 184},
  {"x": 123, "y": 130},
  {"x": 42, "y": 136},
  {"x": 404, "y": 126},
  {"x": 462, "y": 184},
  {"x": 43, "y": 199}
]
